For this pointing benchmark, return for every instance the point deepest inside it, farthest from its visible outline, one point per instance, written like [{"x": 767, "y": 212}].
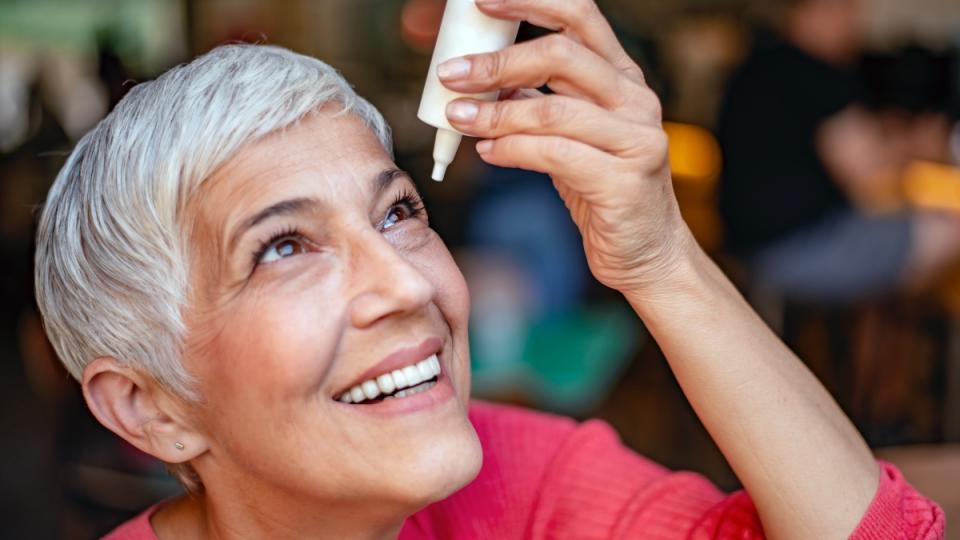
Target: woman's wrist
[{"x": 686, "y": 276}]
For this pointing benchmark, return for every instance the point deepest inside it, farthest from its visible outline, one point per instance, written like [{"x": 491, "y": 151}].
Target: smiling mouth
[{"x": 400, "y": 383}]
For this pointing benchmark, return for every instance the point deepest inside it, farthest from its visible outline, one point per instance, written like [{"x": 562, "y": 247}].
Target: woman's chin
[{"x": 441, "y": 469}]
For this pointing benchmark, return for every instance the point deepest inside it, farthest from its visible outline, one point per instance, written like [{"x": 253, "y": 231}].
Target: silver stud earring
[{"x": 178, "y": 445}]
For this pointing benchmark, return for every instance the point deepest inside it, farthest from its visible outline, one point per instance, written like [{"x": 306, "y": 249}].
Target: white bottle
[{"x": 463, "y": 30}]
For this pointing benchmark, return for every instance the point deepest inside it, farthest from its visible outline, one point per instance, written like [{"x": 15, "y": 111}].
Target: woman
[{"x": 248, "y": 289}]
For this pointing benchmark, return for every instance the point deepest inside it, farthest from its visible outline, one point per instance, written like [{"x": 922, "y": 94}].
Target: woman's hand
[{"x": 599, "y": 137}]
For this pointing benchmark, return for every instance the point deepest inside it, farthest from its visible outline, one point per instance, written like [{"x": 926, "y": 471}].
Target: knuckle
[
  {"x": 653, "y": 147},
  {"x": 656, "y": 110},
  {"x": 634, "y": 71},
  {"x": 492, "y": 65},
  {"x": 583, "y": 9},
  {"x": 557, "y": 46},
  {"x": 551, "y": 111},
  {"x": 648, "y": 104},
  {"x": 654, "y": 102},
  {"x": 497, "y": 115},
  {"x": 659, "y": 143},
  {"x": 646, "y": 143},
  {"x": 503, "y": 146},
  {"x": 556, "y": 150}
]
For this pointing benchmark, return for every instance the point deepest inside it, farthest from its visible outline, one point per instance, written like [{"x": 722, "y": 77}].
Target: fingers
[
  {"x": 580, "y": 20},
  {"x": 547, "y": 115},
  {"x": 565, "y": 66},
  {"x": 573, "y": 161}
]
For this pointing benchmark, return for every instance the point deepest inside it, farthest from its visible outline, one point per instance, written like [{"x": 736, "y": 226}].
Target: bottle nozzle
[
  {"x": 439, "y": 169},
  {"x": 444, "y": 149}
]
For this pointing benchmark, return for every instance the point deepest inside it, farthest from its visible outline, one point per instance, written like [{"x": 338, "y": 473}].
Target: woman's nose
[{"x": 385, "y": 282}]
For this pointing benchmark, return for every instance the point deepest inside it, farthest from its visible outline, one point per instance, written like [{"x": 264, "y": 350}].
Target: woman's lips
[
  {"x": 397, "y": 383},
  {"x": 440, "y": 393},
  {"x": 401, "y": 369},
  {"x": 422, "y": 383}
]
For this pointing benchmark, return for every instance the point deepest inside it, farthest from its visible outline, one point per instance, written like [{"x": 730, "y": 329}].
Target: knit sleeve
[
  {"x": 899, "y": 511},
  {"x": 597, "y": 488}
]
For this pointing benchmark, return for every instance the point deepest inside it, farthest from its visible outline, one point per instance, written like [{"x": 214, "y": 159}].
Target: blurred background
[{"x": 815, "y": 148}]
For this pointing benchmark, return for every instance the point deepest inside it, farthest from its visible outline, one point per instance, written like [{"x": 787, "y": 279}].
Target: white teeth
[
  {"x": 413, "y": 375},
  {"x": 399, "y": 379},
  {"x": 433, "y": 365},
  {"x": 416, "y": 389},
  {"x": 399, "y": 383},
  {"x": 370, "y": 389},
  {"x": 385, "y": 382},
  {"x": 425, "y": 368}
]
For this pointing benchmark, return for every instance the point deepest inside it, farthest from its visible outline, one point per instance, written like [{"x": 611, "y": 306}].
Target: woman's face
[{"x": 315, "y": 270}]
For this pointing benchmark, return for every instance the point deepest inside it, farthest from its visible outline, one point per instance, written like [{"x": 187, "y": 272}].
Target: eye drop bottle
[{"x": 463, "y": 30}]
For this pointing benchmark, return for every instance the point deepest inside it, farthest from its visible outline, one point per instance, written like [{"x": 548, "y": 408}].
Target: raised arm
[
  {"x": 600, "y": 139},
  {"x": 808, "y": 471}
]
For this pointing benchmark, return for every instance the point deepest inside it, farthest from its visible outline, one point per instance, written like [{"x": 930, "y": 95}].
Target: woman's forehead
[{"x": 324, "y": 156}]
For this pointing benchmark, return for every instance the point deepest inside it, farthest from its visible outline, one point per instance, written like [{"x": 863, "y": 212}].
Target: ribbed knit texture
[{"x": 547, "y": 477}]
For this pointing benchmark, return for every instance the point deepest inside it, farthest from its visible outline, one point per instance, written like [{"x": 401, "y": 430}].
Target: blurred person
[
  {"x": 249, "y": 290},
  {"x": 803, "y": 157},
  {"x": 914, "y": 93}
]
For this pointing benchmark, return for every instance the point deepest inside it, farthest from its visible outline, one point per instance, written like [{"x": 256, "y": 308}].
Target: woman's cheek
[
  {"x": 453, "y": 296},
  {"x": 282, "y": 337}
]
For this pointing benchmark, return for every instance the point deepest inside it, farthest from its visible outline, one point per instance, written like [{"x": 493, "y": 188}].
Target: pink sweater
[{"x": 545, "y": 476}]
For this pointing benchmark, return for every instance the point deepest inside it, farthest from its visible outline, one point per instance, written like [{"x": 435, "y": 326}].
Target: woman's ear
[{"x": 137, "y": 409}]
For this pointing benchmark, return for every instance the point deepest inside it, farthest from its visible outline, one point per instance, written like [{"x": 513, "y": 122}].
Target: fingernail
[
  {"x": 484, "y": 146},
  {"x": 455, "y": 68},
  {"x": 463, "y": 111}
]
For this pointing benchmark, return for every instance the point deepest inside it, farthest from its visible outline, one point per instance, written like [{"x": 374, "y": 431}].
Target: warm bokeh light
[
  {"x": 932, "y": 185},
  {"x": 694, "y": 153},
  {"x": 420, "y": 22}
]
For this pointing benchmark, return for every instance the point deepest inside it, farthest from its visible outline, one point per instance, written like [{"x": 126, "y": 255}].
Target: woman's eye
[
  {"x": 406, "y": 206},
  {"x": 396, "y": 214},
  {"x": 281, "y": 249}
]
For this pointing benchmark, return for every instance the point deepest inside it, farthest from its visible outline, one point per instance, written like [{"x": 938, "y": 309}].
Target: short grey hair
[{"x": 111, "y": 260}]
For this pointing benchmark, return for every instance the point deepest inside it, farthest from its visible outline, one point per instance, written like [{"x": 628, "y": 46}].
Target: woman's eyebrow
[
  {"x": 282, "y": 208},
  {"x": 385, "y": 178}
]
